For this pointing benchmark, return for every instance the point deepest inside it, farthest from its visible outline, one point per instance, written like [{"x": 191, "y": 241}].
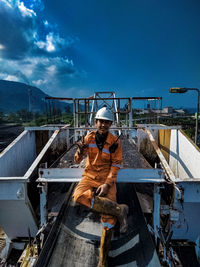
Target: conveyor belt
[{"x": 75, "y": 237}]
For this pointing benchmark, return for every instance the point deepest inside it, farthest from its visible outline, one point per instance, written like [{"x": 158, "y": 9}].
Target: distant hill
[{"x": 15, "y": 96}]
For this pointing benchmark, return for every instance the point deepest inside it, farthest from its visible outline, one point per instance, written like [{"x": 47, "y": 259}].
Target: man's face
[{"x": 103, "y": 126}]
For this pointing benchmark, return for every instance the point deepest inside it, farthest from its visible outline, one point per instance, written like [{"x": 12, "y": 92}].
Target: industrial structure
[{"x": 159, "y": 180}]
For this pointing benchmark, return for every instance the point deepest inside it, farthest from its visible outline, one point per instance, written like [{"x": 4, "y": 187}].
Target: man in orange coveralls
[{"x": 97, "y": 188}]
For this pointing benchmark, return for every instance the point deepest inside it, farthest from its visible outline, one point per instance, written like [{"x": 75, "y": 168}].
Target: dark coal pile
[
  {"x": 132, "y": 158},
  {"x": 67, "y": 160}
]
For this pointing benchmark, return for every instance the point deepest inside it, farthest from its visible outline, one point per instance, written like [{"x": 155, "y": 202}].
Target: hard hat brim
[{"x": 103, "y": 118}]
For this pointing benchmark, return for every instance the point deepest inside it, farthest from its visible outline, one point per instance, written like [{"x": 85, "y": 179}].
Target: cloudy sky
[{"x": 73, "y": 48}]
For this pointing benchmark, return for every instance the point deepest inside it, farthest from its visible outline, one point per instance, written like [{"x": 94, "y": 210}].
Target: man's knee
[
  {"x": 83, "y": 198},
  {"x": 77, "y": 196}
]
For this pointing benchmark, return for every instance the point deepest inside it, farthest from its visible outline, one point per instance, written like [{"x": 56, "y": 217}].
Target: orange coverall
[{"x": 101, "y": 167}]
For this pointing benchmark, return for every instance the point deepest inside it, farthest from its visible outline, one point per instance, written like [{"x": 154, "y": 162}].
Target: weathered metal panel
[
  {"x": 184, "y": 156},
  {"x": 35, "y": 164},
  {"x": 16, "y": 218},
  {"x": 12, "y": 190},
  {"x": 16, "y": 213},
  {"x": 187, "y": 225},
  {"x": 15, "y": 210},
  {"x": 18, "y": 156},
  {"x": 124, "y": 175},
  {"x": 56, "y": 145}
]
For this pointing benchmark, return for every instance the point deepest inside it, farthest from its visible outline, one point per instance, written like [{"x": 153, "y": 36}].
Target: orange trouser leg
[{"x": 83, "y": 194}]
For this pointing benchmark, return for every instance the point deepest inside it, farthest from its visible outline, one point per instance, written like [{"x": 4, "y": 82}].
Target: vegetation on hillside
[{"x": 27, "y": 118}]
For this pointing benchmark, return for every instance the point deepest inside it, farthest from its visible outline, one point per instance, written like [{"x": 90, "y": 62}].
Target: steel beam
[{"x": 124, "y": 175}]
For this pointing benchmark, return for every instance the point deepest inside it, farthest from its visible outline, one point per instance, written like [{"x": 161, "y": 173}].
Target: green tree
[
  {"x": 24, "y": 115},
  {"x": 13, "y": 117}
]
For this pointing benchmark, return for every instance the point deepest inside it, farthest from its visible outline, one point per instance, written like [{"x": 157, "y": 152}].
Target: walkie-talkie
[{"x": 114, "y": 146}]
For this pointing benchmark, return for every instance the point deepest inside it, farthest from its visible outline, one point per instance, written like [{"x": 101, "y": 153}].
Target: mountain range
[{"x": 16, "y": 96}]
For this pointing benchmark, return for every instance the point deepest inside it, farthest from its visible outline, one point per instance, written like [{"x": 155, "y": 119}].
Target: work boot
[
  {"x": 104, "y": 247},
  {"x": 109, "y": 207}
]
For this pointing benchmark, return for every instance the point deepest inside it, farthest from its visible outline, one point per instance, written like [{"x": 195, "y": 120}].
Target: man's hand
[
  {"x": 102, "y": 190},
  {"x": 81, "y": 146}
]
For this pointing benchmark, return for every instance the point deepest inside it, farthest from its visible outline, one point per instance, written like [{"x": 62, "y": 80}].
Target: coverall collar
[{"x": 109, "y": 139}]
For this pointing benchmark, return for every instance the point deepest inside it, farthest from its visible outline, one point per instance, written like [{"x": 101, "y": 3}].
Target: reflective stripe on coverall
[{"x": 101, "y": 167}]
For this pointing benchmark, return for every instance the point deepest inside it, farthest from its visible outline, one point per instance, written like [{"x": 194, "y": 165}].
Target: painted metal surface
[
  {"x": 43, "y": 128},
  {"x": 41, "y": 155},
  {"x": 156, "y": 213},
  {"x": 184, "y": 158},
  {"x": 43, "y": 205},
  {"x": 15, "y": 210},
  {"x": 124, "y": 175},
  {"x": 17, "y": 218},
  {"x": 184, "y": 171},
  {"x": 16, "y": 213},
  {"x": 18, "y": 156},
  {"x": 187, "y": 226},
  {"x": 164, "y": 142}
]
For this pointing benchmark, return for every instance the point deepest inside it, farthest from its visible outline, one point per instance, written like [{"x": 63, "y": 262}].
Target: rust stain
[{"x": 164, "y": 136}]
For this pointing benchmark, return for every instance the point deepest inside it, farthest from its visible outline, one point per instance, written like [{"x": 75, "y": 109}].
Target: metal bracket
[
  {"x": 174, "y": 214},
  {"x": 43, "y": 202}
]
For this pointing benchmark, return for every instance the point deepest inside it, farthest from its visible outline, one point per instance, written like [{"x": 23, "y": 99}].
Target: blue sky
[{"x": 74, "y": 48}]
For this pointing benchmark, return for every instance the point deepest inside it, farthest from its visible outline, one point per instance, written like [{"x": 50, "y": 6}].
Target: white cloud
[
  {"x": 39, "y": 82},
  {"x": 40, "y": 44},
  {"x": 52, "y": 68},
  {"x": 25, "y": 11},
  {"x": 32, "y": 54},
  {"x": 11, "y": 78},
  {"x": 7, "y": 3},
  {"x": 41, "y": 71},
  {"x": 52, "y": 43},
  {"x": 46, "y": 23}
]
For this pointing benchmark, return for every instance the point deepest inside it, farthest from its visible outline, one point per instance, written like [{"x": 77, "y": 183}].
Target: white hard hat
[{"x": 104, "y": 114}]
